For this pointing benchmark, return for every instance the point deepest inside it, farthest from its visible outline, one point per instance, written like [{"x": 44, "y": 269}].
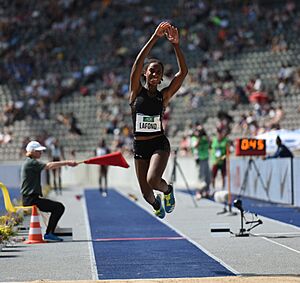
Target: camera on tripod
[
  {"x": 247, "y": 147},
  {"x": 237, "y": 203},
  {"x": 224, "y": 230}
]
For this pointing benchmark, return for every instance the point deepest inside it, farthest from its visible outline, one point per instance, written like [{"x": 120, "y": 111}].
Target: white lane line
[
  {"x": 290, "y": 234},
  {"x": 90, "y": 242},
  {"x": 284, "y": 246}
]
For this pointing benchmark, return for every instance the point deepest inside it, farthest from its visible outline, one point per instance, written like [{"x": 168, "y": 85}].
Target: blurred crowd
[{"x": 52, "y": 49}]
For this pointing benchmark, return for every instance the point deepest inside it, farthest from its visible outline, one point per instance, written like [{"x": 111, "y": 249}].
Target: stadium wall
[
  {"x": 87, "y": 175},
  {"x": 271, "y": 181}
]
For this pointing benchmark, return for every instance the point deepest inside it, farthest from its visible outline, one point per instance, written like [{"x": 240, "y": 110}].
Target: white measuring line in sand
[{"x": 284, "y": 246}]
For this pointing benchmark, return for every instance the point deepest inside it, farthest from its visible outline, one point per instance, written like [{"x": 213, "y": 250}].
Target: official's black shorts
[{"x": 145, "y": 149}]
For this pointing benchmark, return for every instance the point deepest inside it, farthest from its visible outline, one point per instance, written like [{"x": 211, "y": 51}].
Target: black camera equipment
[
  {"x": 245, "y": 232},
  {"x": 173, "y": 176}
]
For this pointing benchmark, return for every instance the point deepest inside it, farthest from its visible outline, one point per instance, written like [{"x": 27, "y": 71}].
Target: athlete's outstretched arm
[
  {"x": 137, "y": 68},
  {"x": 173, "y": 36}
]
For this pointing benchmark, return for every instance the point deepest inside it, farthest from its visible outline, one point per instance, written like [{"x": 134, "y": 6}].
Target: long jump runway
[{"x": 129, "y": 243}]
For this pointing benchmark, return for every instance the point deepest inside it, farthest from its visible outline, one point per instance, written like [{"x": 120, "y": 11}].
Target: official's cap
[{"x": 34, "y": 146}]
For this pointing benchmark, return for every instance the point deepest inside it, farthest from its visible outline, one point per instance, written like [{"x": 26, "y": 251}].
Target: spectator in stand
[
  {"x": 250, "y": 86},
  {"x": 240, "y": 126},
  {"x": 184, "y": 146},
  {"x": 224, "y": 122},
  {"x": 277, "y": 118},
  {"x": 25, "y": 141},
  {"x": 258, "y": 84},
  {"x": 279, "y": 43},
  {"x": 296, "y": 78},
  {"x": 70, "y": 121},
  {"x": 73, "y": 127},
  {"x": 239, "y": 97},
  {"x": 6, "y": 136},
  {"x": 90, "y": 72},
  {"x": 31, "y": 55}
]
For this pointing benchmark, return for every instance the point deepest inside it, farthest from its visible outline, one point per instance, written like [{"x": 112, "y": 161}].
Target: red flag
[{"x": 114, "y": 159}]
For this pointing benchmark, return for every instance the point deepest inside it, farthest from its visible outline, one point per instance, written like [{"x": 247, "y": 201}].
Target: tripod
[
  {"x": 245, "y": 232},
  {"x": 246, "y": 176},
  {"x": 173, "y": 176}
]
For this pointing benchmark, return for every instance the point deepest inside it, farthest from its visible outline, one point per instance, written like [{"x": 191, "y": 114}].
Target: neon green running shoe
[
  {"x": 169, "y": 200},
  {"x": 160, "y": 212}
]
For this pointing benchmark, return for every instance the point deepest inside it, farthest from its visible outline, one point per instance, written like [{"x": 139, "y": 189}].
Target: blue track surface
[
  {"x": 169, "y": 256},
  {"x": 14, "y": 193},
  {"x": 280, "y": 212}
]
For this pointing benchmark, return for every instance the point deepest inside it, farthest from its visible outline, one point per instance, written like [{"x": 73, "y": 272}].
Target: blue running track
[
  {"x": 280, "y": 212},
  {"x": 129, "y": 243}
]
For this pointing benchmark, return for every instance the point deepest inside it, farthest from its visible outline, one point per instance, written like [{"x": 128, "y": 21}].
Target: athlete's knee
[{"x": 153, "y": 181}]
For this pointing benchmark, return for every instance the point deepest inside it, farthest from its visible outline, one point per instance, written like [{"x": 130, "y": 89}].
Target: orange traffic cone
[{"x": 35, "y": 231}]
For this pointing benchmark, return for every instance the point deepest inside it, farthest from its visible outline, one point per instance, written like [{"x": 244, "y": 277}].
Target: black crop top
[{"x": 147, "y": 113}]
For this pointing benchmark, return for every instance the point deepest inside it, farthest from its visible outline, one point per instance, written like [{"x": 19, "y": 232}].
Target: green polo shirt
[
  {"x": 31, "y": 177},
  {"x": 203, "y": 148},
  {"x": 218, "y": 149}
]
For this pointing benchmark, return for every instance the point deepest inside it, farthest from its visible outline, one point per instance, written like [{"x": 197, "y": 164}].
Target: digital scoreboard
[{"x": 250, "y": 147}]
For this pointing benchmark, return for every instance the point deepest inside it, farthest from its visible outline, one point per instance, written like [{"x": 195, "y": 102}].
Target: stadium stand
[{"x": 65, "y": 69}]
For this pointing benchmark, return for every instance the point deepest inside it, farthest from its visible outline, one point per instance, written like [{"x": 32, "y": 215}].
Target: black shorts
[{"x": 145, "y": 149}]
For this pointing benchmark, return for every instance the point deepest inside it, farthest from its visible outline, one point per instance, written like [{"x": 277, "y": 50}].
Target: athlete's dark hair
[
  {"x": 148, "y": 62},
  {"x": 153, "y": 60}
]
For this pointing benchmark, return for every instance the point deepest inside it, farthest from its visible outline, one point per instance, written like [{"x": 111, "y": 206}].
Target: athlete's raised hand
[
  {"x": 162, "y": 28},
  {"x": 172, "y": 34}
]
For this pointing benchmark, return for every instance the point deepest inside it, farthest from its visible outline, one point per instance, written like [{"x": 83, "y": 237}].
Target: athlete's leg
[
  {"x": 157, "y": 166},
  {"x": 141, "y": 168},
  {"x": 158, "y": 163}
]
